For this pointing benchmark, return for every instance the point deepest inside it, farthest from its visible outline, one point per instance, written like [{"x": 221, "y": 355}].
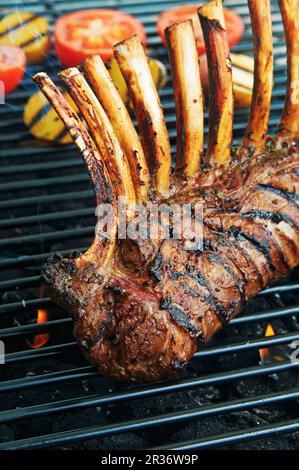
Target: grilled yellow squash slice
[{"x": 28, "y": 31}]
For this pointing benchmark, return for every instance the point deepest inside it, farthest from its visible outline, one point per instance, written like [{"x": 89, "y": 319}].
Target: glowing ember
[
  {"x": 40, "y": 340},
  {"x": 278, "y": 353},
  {"x": 265, "y": 352}
]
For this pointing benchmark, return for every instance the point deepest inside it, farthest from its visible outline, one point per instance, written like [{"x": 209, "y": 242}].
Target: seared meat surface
[
  {"x": 142, "y": 308},
  {"x": 159, "y": 302}
]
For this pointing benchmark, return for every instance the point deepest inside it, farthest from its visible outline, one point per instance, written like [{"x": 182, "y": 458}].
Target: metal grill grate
[{"x": 47, "y": 205}]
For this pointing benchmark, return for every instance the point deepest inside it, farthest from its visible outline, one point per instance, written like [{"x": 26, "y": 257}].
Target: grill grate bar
[
  {"x": 17, "y": 283},
  {"x": 262, "y": 316},
  {"x": 237, "y": 347},
  {"x": 28, "y": 260},
  {"x": 35, "y": 151},
  {"x": 27, "y": 201},
  {"x": 142, "y": 10},
  {"x": 170, "y": 121},
  {"x": 280, "y": 289},
  {"x": 37, "y": 183},
  {"x": 29, "y": 167},
  {"x": 21, "y": 283},
  {"x": 58, "y": 235},
  {"x": 166, "y": 93},
  {"x": 245, "y": 319},
  {"x": 88, "y": 371},
  {"x": 249, "y": 345},
  {"x": 34, "y": 328},
  {"x": 100, "y": 400},
  {"x": 24, "y": 305},
  {"x": 91, "y": 432},
  {"x": 23, "y": 383},
  {"x": 27, "y": 220},
  {"x": 234, "y": 437},
  {"x": 28, "y": 354},
  {"x": 130, "y": 3}
]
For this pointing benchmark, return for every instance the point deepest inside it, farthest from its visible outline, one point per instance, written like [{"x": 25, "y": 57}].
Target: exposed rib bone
[
  {"x": 100, "y": 251},
  {"x": 103, "y": 86},
  {"x": 260, "y": 13},
  {"x": 134, "y": 67},
  {"x": 80, "y": 136},
  {"x": 220, "y": 78},
  {"x": 289, "y": 124},
  {"x": 183, "y": 56},
  {"x": 103, "y": 134}
]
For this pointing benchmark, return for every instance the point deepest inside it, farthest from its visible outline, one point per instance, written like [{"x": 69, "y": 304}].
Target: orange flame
[
  {"x": 40, "y": 340},
  {"x": 265, "y": 352}
]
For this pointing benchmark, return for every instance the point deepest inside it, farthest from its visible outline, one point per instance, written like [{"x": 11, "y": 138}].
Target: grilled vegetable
[
  {"x": 12, "y": 67},
  {"x": 43, "y": 121},
  {"x": 84, "y": 33},
  {"x": 243, "y": 69},
  {"x": 28, "y": 31}
]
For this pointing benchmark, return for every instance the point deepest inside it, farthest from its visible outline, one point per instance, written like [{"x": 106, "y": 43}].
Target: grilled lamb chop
[{"x": 142, "y": 308}]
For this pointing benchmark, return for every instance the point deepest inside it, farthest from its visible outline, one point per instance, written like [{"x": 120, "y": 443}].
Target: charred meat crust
[{"x": 152, "y": 310}]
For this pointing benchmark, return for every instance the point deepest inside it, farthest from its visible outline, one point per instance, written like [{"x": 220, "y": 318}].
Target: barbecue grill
[{"x": 231, "y": 395}]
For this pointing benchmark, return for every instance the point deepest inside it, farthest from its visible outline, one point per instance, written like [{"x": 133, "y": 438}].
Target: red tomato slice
[
  {"x": 87, "y": 32},
  {"x": 12, "y": 67},
  {"x": 234, "y": 24}
]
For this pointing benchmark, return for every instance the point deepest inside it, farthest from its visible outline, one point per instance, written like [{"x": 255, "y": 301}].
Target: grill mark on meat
[
  {"x": 208, "y": 297},
  {"x": 228, "y": 243},
  {"x": 181, "y": 318},
  {"x": 176, "y": 275},
  {"x": 252, "y": 262},
  {"x": 156, "y": 266},
  {"x": 218, "y": 259},
  {"x": 263, "y": 248},
  {"x": 189, "y": 290},
  {"x": 88, "y": 343},
  {"x": 289, "y": 242},
  {"x": 290, "y": 197},
  {"x": 232, "y": 244},
  {"x": 274, "y": 216},
  {"x": 222, "y": 314}
]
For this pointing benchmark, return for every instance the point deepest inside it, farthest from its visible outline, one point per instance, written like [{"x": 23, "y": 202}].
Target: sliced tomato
[
  {"x": 12, "y": 67},
  {"x": 87, "y": 32},
  {"x": 234, "y": 24}
]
